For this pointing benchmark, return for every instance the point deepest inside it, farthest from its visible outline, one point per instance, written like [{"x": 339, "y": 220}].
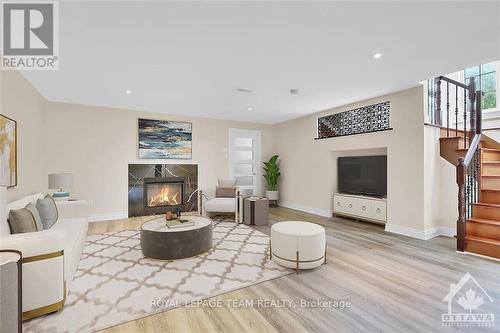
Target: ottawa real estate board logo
[
  {"x": 30, "y": 35},
  {"x": 467, "y": 302}
]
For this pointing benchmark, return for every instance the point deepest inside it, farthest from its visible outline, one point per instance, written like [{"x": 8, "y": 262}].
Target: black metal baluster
[
  {"x": 437, "y": 115},
  {"x": 447, "y": 109},
  {"x": 465, "y": 119}
]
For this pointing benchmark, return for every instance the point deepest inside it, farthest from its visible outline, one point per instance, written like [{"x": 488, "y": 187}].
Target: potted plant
[{"x": 272, "y": 175}]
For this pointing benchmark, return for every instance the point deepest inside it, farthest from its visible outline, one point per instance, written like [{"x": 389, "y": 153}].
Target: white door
[{"x": 244, "y": 159}]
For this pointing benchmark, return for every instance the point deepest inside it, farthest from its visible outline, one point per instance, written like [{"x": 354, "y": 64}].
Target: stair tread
[
  {"x": 483, "y": 240},
  {"x": 456, "y": 137},
  {"x": 486, "y": 204},
  {"x": 490, "y": 162},
  {"x": 490, "y": 189},
  {"x": 491, "y": 176},
  {"x": 485, "y": 221},
  {"x": 491, "y": 149}
]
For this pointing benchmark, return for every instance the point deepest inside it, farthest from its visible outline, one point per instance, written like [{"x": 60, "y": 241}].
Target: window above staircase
[{"x": 487, "y": 80}]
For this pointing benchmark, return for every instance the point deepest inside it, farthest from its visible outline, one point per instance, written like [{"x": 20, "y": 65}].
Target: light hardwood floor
[{"x": 394, "y": 284}]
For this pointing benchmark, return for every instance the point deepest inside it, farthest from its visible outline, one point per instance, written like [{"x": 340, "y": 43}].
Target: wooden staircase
[{"x": 477, "y": 158}]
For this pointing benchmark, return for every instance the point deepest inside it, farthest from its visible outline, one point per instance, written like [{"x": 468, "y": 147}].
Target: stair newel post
[
  {"x": 461, "y": 205},
  {"x": 437, "y": 114}
]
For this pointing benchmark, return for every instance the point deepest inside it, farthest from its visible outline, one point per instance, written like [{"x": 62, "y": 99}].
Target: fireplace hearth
[{"x": 158, "y": 188}]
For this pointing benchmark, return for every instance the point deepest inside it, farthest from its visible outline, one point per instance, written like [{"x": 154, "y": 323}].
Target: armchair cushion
[
  {"x": 221, "y": 205},
  {"x": 227, "y": 182},
  {"x": 225, "y": 192}
]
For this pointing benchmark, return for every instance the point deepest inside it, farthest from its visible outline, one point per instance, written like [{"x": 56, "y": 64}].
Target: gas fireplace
[
  {"x": 158, "y": 188},
  {"x": 163, "y": 194}
]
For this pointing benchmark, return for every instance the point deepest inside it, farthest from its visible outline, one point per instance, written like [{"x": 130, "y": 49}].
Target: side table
[
  {"x": 256, "y": 211},
  {"x": 11, "y": 313}
]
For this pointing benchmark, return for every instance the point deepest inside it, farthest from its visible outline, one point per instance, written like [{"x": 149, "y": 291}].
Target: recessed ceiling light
[
  {"x": 377, "y": 56},
  {"x": 294, "y": 91},
  {"x": 244, "y": 90},
  {"x": 250, "y": 108},
  {"x": 128, "y": 92}
]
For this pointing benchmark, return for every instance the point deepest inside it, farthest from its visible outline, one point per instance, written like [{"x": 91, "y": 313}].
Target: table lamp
[{"x": 60, "y": 182}]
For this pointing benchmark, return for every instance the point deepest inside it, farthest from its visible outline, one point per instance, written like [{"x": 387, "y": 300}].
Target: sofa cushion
[
  {"x": 21, "y": 220},
  {"x": 48, "y": 211},
  {"x": 38, "y": 220},
  {"x": 76, "y": 236},
  {"x": 225, "y": 192}
]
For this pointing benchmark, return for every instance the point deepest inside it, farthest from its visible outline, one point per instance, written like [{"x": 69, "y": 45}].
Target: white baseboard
[
  {"x": 418, "y": 233},
  {"x": 440, "y": 231},
  {"x": 310, "y": 210},
  {"x": 108, "y": 216}
]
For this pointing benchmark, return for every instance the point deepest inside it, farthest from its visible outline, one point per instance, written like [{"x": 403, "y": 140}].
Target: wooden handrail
[
  {"x": 472, "y": 150},
  {"x": 457, "y": 83}
]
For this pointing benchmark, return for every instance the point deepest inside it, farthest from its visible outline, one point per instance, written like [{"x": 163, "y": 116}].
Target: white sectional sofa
[{"x": 50, "y": 257}]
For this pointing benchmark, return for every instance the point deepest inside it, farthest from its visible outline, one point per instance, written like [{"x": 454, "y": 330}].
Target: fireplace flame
[{"x": 164, "y": 198}]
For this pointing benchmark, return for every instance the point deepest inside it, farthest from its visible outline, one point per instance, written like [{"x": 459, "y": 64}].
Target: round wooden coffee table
[{"x": 161, "y": 242}]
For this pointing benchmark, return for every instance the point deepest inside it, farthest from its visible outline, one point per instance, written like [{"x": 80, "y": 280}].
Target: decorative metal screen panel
[{"x": 371, "y": 118}]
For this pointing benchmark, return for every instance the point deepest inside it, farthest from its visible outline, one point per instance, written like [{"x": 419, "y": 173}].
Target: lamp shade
[{"x": 60, "y": 181}]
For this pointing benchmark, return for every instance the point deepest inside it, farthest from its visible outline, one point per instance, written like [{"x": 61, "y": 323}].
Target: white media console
[{"x": 360, "y": 207}]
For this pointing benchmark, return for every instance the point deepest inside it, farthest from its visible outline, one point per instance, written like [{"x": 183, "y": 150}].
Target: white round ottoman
[{"x": 297, "y": 244}]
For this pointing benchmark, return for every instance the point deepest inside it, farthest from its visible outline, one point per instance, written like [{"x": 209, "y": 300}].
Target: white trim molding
[
  {"x": 419, "y": 233},
  {"x": 108, "y": 216}
]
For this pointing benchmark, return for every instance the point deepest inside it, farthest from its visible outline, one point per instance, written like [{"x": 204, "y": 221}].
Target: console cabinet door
[
  {"x": 365, "y": 208},
  {"x": 340, "y": 204},
  {"x": 379, "y": 210}
]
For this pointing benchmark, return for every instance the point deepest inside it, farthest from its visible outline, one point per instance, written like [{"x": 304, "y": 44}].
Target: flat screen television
[{"x": 365, "y": 175}]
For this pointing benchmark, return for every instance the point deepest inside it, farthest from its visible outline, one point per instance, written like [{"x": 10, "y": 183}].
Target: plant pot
[{"x": 272, "y": 195}]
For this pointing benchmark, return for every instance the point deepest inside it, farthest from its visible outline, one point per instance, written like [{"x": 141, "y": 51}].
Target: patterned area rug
[{"x": 115, "y": 283}]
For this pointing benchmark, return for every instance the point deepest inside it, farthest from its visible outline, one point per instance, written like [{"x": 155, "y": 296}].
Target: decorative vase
[{"x": 272, "y": 195}]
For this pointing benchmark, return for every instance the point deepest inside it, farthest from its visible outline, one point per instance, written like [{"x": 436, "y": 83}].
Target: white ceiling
[{"x": 189, "y": 58}]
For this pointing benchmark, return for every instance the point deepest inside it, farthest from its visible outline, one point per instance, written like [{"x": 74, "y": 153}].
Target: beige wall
[
  {"x": 307, "y": 166},
  {"x": 97, "y": 144},
  {"x": 21, "y": 102}
]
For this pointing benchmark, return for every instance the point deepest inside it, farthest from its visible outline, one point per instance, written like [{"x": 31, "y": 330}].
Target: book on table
[{"x": 182, "y": 223}]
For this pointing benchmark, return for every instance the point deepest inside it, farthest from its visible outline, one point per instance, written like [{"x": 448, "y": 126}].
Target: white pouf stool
[{"x": 297, "y": 244}]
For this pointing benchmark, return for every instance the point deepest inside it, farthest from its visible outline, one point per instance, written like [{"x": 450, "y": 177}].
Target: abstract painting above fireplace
[{"x": 158, "y": 188}]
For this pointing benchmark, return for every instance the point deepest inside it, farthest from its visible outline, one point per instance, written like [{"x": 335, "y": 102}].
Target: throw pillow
[
  {"x": 21, "y": 220},
  {"x": 48, "y": 211},
  {"x": 227, "y": 182},
  {"x": 36, "y": 215},
  {"x": 225, "y": 192}
]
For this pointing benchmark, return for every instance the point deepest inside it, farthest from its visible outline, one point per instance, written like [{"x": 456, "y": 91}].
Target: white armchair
[{"x": 222, "y": 205}]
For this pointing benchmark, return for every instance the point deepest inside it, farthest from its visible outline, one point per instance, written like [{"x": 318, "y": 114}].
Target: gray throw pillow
[
  {"x": 225, "y": 192},
  {"x": 38, "y": 220},
  {"x": 48, "y": 211},
  {"x": 21, "y": 220}
]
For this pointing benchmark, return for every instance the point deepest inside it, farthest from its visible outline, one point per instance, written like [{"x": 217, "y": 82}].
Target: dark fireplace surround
[{"x": 158, "y": 188}]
